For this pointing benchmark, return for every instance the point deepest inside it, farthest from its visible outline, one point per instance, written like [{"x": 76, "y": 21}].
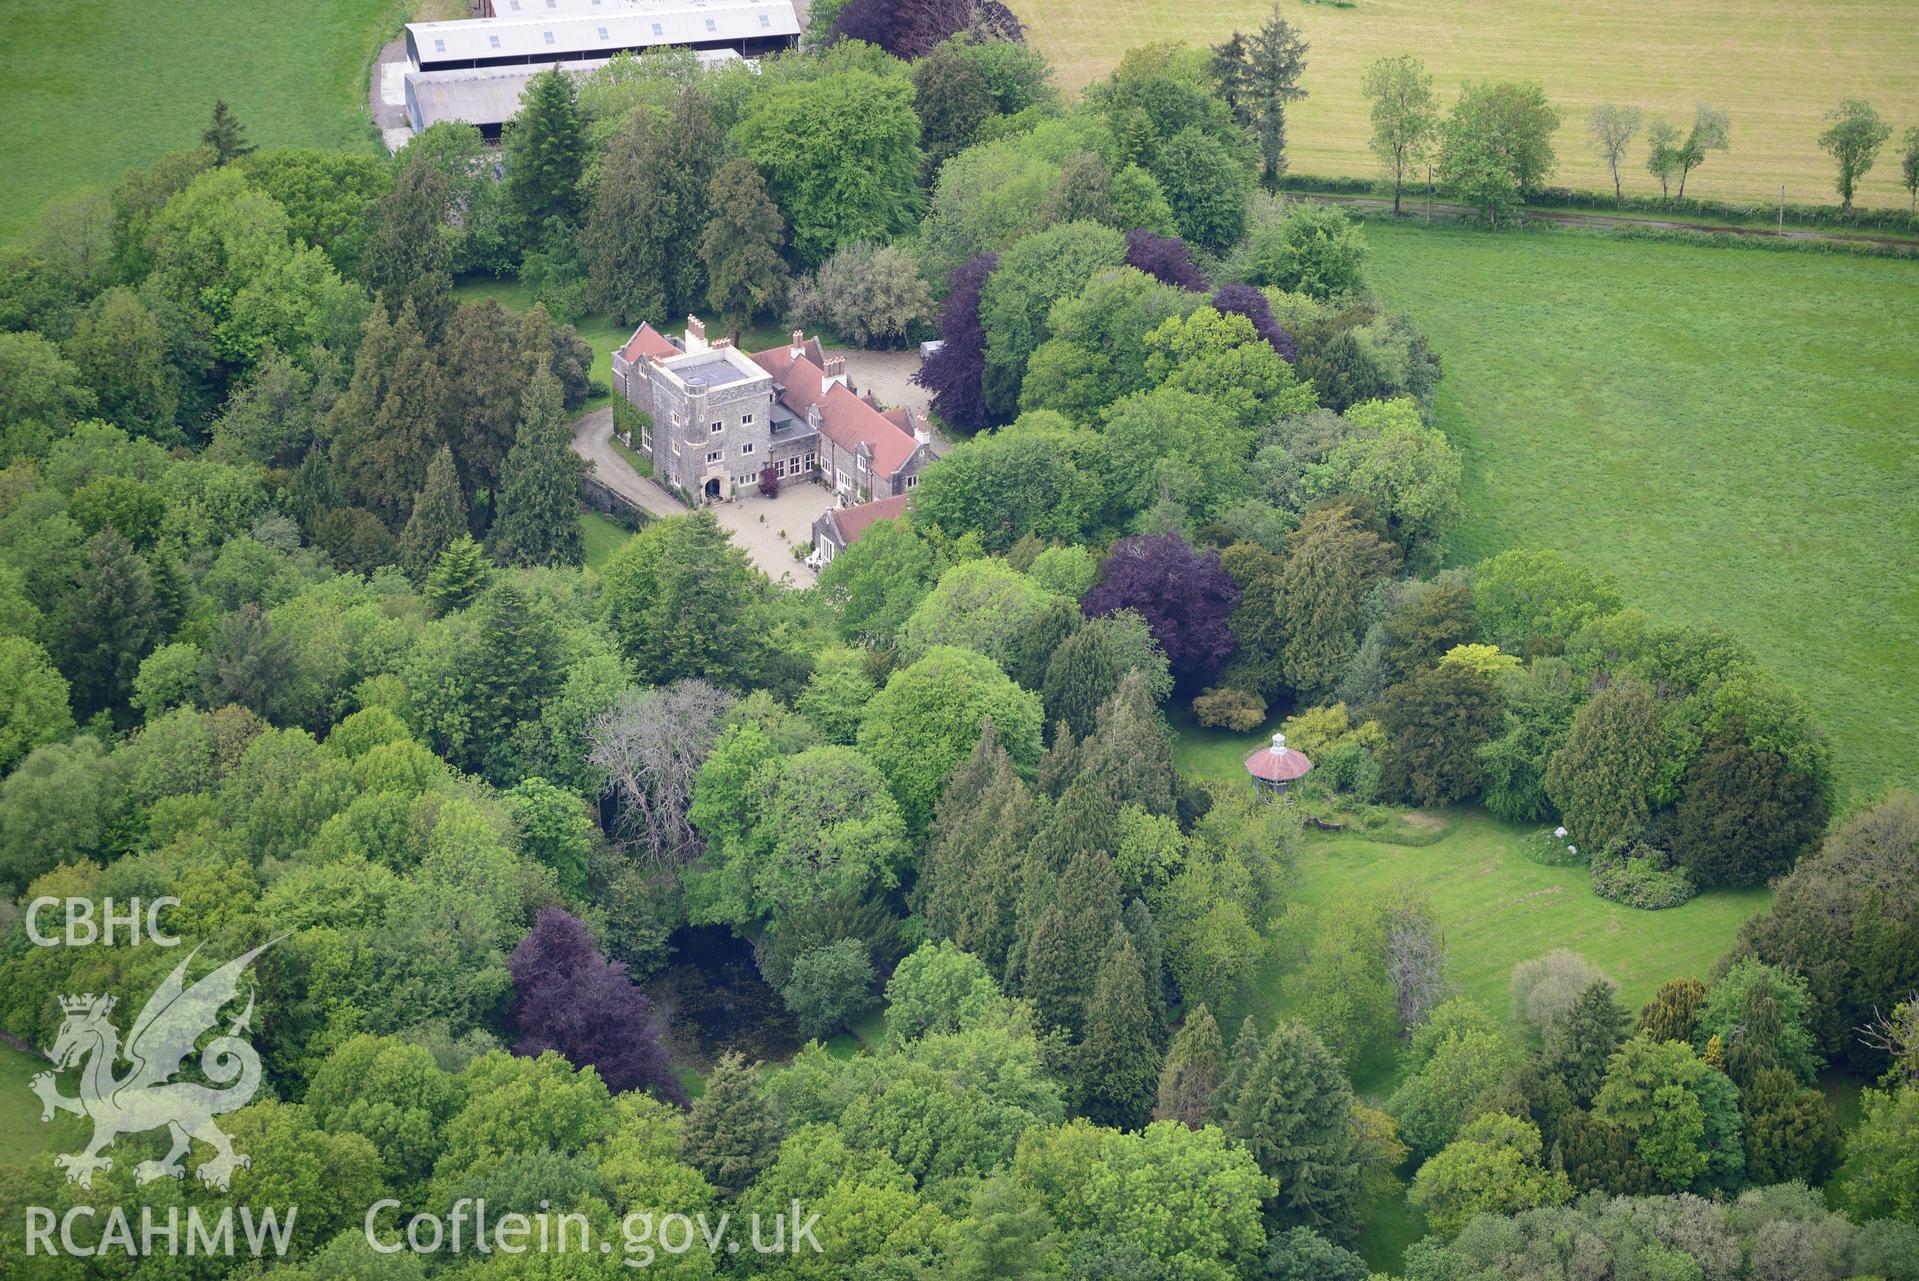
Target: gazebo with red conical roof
[{"x": 1276, "y": 768}]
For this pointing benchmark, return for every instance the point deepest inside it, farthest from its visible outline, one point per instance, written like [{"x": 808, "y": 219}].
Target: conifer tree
[
  {"x": 1119, "y": 1061},
  {"x": 969, "y": 883},
  {"x": 1673, "y": 1011},
  {"x": 480, "y": 414},
  {"x": 741, "y": 245},
  {"x": 513, "y": 671},
  {"x": 226, "y": 135},
  {"x": 649, "y": 206},
  {"x": 1191, "y": 1071},
  {"x": 538, "y": 521},
  {"x": 107, "y": 624},
  {"x": 1061, "y": 763},
  {"x": 460, "y": 575},
  {"x": 439, "y": 518},
  {"x": 1048, "y": 973},
  {"x": 1580, "y": 1041},
  {"x": 1790, "y": 1131},
  {"x": 1007, "y": 1237},
  {"x": 546, "y": 150},
  {"x": 1246, "y": 1050},
  {"x": 730, "y": 1134},
  {"x": 1131, "y": 752},
  {"x": 1144, "y": 932},
  {"x": 383, "y": 431},
  {"x": 1294, "y": 1113},
  {"x": 407, "y": 256}
]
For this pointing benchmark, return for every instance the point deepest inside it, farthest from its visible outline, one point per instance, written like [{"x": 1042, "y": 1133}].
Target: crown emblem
[{"x": 87, "y": 1003}]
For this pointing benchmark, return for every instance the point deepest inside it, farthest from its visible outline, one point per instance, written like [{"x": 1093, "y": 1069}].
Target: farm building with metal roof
[{"x": 475, "y": 70}]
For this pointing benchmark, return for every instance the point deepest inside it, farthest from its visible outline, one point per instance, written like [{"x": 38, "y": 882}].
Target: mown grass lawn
[
  {"x": 91, "y": 88},
  {"x": 22, "y": 1133},
  {"x": 1775, "y": 68},
  {"x": 1728, "y": 431},
  {"x": 604, "y": 536}
]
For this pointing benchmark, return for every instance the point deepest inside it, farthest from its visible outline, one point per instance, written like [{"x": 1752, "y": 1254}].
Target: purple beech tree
[
  {"x": 953, "y": 373},
  {"x": 1251, "y": 303},
  {"x": 569, "y": 998},
  {"x": 1184, "y": 596},
  {"x": 911, "y": 29},
  {"x": 1165, "y": 258}
]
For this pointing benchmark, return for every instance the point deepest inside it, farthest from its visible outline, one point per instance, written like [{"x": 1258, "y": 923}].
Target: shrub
[
  {"x": 769, "y": 481},
  {"x": 830, "y": 986},
  {"x": 1350, "y": 767},
  {"x": 1550, "y": 848},
  {"x": 1640, "y": 875},
  {"x": 1236, "y": 709}
]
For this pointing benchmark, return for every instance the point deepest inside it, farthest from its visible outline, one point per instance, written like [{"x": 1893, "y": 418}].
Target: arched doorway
[{"x": 713, "y": 489}]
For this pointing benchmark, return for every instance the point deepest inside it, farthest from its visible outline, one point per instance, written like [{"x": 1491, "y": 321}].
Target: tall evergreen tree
[
  {"x": 969, "y": 881},
  {"x": 1144, "y": 932},
  {"x": 1673, "y": 1011},
  {"x": 649, "y": 206},
  {"x": 460, "y": 575},
  {"x": 106, "y": 624},
  {"x": 249, "y": 662},
  {"x": 745, "y": 274},
  {"x": 538, "y": 521},
  {"x": 407, "y": 256},
  {"x": 1247, "y": 1047},
  {"x": 1131, "y": 752},
  {"x": 1294, "y": 1113},
  {"x": 546, "y": 150},
  {"x": 1191, "y": 1071},
  {"x": 1259, "y": 75},
  {"x": 730, "y": 1134},
  {"x": 1790, "y": 1131},
  {"x": 1580, "y": 1041},
  {"x": 1048, "y": 974},
  {"x": 226, "y": 135},
  {"x": 1119, "y": 1060},
  {"x": 484, "y": 385},
  {"x": 680, "y": 601},
  {"x": 514, "y": 669},
  {"x": 439, "y": 518},
  {"x": 384, "y": 430}
]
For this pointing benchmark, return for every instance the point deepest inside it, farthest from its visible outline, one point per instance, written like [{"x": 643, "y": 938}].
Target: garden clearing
[
  {"x": 91, "y": 89},
  {"x": 1776, "y": 68},
  {"x": 1724, "y": 429}
]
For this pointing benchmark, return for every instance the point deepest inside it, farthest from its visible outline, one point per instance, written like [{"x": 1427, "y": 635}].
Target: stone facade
[{"x": 720, "y": 417}]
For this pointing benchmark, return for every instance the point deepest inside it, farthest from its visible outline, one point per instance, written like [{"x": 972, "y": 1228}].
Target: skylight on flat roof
[
  {"x": 439, "y": 46},
  {"x": 494, "y": 41},
  {"x": 710, "y": 26},
  {"x": 602, "y": 31},
  {"x": 766, "y": 20},
  {"x": 657, "y": 31},
  {"x": 549, "y": 36}
]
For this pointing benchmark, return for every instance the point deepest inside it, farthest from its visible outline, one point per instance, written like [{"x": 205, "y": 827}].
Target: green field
[
  {"x": 1496, "y": 907},
  {"x": 22, "y": 1133},
  {"x": 1776, "y": 67},
  {"x": 1726, "y": 430},
  {"x": 90, "y": 89}
]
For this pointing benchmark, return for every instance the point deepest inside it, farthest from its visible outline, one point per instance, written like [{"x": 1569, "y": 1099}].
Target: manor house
[{"x": 721, "y": 417}]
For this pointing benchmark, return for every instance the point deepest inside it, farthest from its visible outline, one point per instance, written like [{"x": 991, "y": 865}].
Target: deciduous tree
[
  {"x": 1405, "y": 115},
  {"x": 1853, "y": 140},
  {"x": 1612, "y": 129}
]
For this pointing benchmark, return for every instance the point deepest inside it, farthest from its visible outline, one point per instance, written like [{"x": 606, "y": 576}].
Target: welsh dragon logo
[{"x": 147, "y": 1097}]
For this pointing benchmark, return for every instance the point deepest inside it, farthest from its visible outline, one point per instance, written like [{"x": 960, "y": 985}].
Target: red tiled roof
[
  {"x": 647, "y": 341},
  {"x": 1278, "y": 767},
  {"x": 845, "y": 419},
  {"x": 855, "y": 521}
]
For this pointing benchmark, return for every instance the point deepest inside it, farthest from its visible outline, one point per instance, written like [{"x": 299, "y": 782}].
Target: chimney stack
[
  {"x": 695, "y": 333},
  {"x": 836, "y": 370},
  {"x": 720, "y": 344},
  {"x": 798, "y": 348}
]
